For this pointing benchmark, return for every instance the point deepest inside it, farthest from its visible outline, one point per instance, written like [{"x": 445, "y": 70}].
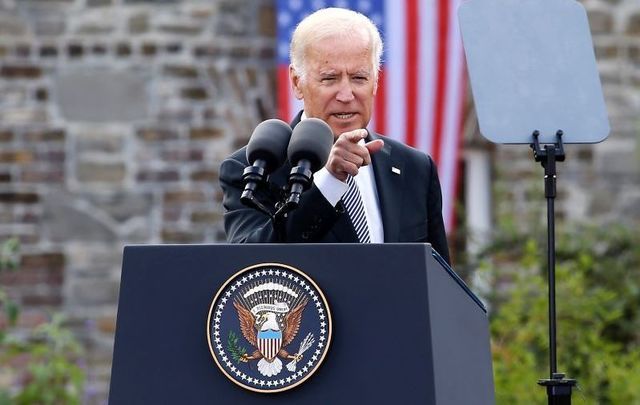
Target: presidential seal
[{"x": 269, "y": 328}]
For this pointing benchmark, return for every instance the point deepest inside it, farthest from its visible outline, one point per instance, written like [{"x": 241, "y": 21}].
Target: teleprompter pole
[{"x": 558, "y": 388}]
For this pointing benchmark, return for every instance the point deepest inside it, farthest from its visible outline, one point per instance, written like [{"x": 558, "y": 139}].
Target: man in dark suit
[{"x": 335, "y": 59}]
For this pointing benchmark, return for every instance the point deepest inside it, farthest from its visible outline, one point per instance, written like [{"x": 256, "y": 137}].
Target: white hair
[{"x": 331, "y": 22}]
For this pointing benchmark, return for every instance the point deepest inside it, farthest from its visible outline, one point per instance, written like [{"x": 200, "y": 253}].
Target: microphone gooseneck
[
  {"x": 308, "y": 151},
  {"x": 266, "y": 151}
]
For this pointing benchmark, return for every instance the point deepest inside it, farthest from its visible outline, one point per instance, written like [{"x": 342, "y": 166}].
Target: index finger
[{"x": 356, "y": 135}]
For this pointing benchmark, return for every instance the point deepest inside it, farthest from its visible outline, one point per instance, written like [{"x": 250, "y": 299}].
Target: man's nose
[{"x": 345, "y": 92}]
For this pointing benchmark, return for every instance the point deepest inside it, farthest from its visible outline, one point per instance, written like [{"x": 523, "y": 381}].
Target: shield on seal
[{"x": 269, "y": 343}]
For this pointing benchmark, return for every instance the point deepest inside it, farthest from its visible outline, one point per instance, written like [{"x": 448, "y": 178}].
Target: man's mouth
[{"x": 343, "y": 116}]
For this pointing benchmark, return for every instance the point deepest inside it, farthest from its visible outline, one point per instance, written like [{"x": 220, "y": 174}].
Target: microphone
[
  {"x": 308, "y": 151},
  {"x": 266, "y": 152}
]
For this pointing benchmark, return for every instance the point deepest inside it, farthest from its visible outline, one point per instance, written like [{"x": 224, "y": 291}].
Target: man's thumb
[{"x": 374, "y": 146}]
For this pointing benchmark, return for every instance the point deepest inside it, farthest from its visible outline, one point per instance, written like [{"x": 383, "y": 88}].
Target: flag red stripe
[
  {"x": 283, "y": 93},
  {"x": 441, "y": 77},
  {"x": 459, "y": 134},
  {"x": 411, "y": 84},
  {"x": 380, "y": 105}
]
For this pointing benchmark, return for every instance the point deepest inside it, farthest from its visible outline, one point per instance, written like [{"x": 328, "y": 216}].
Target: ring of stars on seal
[{"x": 269, "y": 327}]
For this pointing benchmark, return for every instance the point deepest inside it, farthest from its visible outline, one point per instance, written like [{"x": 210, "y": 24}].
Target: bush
[
  {"x": 39, "y": 365},
  {"x": 598, "y": 312}
]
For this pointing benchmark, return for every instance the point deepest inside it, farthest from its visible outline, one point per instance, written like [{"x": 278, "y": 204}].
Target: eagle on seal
[{"x": 265, "y": 334}]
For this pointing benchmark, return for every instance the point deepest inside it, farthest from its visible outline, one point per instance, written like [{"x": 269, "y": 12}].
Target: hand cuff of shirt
[{"x": 331, "y": 188}]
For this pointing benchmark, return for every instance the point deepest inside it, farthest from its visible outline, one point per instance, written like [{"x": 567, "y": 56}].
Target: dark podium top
[{"x": 405, "y": 328}]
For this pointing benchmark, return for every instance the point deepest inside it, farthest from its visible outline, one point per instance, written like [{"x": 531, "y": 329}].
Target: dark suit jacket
[{"x": 410, "y": 202}]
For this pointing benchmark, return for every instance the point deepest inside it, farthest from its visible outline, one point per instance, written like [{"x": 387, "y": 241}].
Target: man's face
[{"x": 339, "y": 86}]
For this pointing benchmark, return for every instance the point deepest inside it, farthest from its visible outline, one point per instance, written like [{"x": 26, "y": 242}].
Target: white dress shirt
[{"x": 333, "y": 189}]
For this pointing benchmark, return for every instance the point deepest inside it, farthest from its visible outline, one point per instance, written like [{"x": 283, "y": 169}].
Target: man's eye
[{"x": 327, "y": 79}]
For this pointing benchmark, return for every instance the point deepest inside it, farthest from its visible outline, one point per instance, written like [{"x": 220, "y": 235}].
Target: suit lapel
[
  {"x": 389, "y": 184},
  {"x": 343, "y": 230}
]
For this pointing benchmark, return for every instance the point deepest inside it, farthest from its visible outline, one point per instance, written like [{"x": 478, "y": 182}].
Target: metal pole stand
[{"x": 558, "y": 388}]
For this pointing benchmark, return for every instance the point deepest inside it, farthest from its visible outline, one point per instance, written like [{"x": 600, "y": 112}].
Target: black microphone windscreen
[
  {"x": 312, "y": 139},
  {"x": 269, "y": 142}
]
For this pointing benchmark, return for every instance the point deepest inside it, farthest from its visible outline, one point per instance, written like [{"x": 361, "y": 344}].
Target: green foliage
[
  {"x": 234, "y": 348},
  {"x": 39, "y": 365},
  {"x": 598, "y": 309}
]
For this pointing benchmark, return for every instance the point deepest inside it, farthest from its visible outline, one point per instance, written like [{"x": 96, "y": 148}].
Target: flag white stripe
[
  {"x": 426, "y": 75},
  {"x": 395, "y": 69}
]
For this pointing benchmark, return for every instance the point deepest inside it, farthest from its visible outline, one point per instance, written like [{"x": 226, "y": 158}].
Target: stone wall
[
  {"x": 114, "y": 118},
  {"x": 115, "y": 115}
]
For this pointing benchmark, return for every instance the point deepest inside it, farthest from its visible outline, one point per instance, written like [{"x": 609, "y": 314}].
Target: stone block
[
  {"x": 100, "y": 172},
  {"x": 75, "y": 51},
  {"x": 207, "y": 51},
  {"x": 631, "y": 207},
  {"x": 23, "y": 116},
  {"x": 173, "y": 47},
  {"x": 99, "y": 3},
  {"x": 22, "y": 50},
  {"x": 206, "y": 133},
  {"x": 157, "y": 134},
  {"x": 155, "y": 176},
  {"x": 138, "y": 23},
  {"x": 99, "y": 49},
  {"x": 181, "y": 236},
  {"x": 609, "y": 51},
  {"x": 16, "y": 197},
  {"x": 122, "y": 206},
  {"x": 97, "y": 262},
  {"x": 184, "y": 196},
  {"x": 123, "y": 49},
  {"x": 48, "y": 176},
  {"x": 206, "y": 217},
  {"x": 106, "y": 324},
  {"x": 11, "y": 25},
  {"x": 51, "y": 155},
  {"x": 98, "y": 141},
  {"x": 52, "y": 25},
  {"x": 96, "y": 95},
  {"x": 185, "y": 28},
  {"x": 183, "y": 155},
  {"x": 20, "y": 157},
  {"x": 14, "y": 71},
  {"x": 208, "y": 176},
  {"x": 149, "y": 49},
  {"x": 45, "y": 135},
  {"x": 43, "y": 298},
  {"x": 633, "y": 24},
  {"x": 181, "y": 71},
  {"x": 616, "y": 158},
  {"x": 31, "y": 277},
  {"x": 267, "y": 21},
  {"x": 194, "y": 93},
  {"x": 6, "y": 135},
  {"x": 94, "y": 292},
  {"x": 600, "y": 21},
  {"x": 103, "y": 28},
  {"x": 41, "y": 94},
  {"x": 64, "y": 221}
]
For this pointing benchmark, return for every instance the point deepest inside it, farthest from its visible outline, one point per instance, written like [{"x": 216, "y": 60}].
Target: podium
[{"x": 406, "y": 329}]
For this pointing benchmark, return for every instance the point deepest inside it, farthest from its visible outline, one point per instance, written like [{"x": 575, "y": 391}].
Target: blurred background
[{"x": 116, "y": 114}]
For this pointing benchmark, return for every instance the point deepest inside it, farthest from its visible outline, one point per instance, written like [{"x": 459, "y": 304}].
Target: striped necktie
[{"x": 353, "y": 203}]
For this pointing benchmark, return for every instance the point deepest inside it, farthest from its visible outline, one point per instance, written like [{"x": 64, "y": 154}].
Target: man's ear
[{"x": 295, "y": 83}]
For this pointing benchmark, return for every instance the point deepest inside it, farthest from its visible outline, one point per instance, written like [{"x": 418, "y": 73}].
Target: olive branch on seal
[{"x": 234, "y": 349}]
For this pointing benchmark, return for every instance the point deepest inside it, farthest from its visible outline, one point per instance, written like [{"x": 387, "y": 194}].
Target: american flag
[{"x": 422, "y": 84}]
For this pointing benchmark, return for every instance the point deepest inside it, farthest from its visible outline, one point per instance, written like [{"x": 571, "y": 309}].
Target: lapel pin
[{"x": 395, "y": 170}]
